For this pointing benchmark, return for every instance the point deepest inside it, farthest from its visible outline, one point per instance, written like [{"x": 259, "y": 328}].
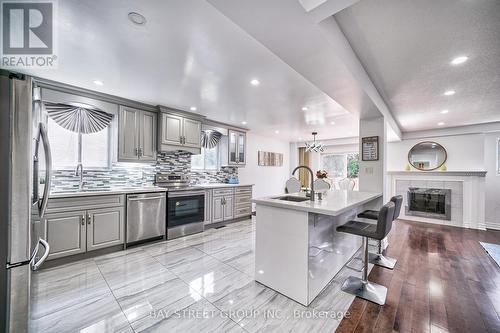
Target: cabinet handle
[
  {"x": 136, "y": 151},
  {"x": 89, "y": 219},
  {"x": 140, "y": 152},
  {"x": 83, "y": 219}
]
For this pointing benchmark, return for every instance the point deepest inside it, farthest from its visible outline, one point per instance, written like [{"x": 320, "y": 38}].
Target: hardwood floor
[{"x": 443, "y": 281}]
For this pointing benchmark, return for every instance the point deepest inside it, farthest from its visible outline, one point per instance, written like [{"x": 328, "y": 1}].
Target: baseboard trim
[{"x": 493, "y": 225}]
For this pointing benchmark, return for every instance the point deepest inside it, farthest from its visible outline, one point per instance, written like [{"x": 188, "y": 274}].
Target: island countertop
[{"x": 334, "y": 202}]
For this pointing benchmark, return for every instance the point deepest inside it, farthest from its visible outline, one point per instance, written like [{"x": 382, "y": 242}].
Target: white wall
[
  {"x": 372, "y": 174},
  {"x": 465, "y": 152},
  {"x": 268, "y": 180},
  {"x": 492, "y": 183}
]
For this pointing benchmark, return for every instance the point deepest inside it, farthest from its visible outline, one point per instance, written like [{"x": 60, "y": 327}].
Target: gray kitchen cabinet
[
  {"x": 178, "y": 132},
  {"x": 105, "y": 227},
  {"x": 237, "y": 148},
  {"x": 128, "y": 136},
  {"x": 66, "y": 233},
  {"x": 228, "y": 207},
  {"x": 222, "y": 205},
  {"x": 243, "y": 201},
  {"x": 171, "y": 129},
  {"x": 208, "y": 206},
  {"x": 76, "y": 225},
  {"x": 147, "y": 136},
  {"x": 218, "y": 209},
  {"x": 136, "y": 135},
  {"x": 192, "y": 133}
]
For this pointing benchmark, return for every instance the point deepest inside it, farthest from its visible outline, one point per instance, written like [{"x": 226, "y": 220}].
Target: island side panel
[
  {"x": 281, "y": 251},
  {"x": 329, "y": 250}
]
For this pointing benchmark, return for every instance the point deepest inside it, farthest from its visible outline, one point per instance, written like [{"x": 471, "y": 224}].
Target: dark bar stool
[
  {"x": 361, "y": 287},
  {"x": 379, "y": 259}
]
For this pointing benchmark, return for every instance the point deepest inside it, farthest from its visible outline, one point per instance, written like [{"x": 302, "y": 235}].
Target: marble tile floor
[{"x": 199, "y": 283}]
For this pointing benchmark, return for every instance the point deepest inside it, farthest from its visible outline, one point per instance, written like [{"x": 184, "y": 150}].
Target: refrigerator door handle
[
  {"x": 35, "y": 264},
  {"x": 43, "y": 137}
]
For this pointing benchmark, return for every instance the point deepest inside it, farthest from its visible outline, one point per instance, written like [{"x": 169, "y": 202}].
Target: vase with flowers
[{"x": 321, "y": 174}]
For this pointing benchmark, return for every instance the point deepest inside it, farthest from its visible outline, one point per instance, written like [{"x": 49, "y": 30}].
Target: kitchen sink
[{"x": 292, "y": 198}]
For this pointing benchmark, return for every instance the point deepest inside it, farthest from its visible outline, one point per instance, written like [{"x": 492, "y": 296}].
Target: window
[
  {"x": 340, "y": 166},
  {"x": 207, "y": 160},
  {"x": 64, "y": 146}
]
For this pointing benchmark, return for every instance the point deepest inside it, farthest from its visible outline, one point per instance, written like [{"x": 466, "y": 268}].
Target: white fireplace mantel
[
  {"x": 478, "y": 173},
  {"x": 468, "y": 194}
]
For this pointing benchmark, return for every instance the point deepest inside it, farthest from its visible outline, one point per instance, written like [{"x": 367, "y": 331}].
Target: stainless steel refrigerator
[{"x": 24, "y": 191}]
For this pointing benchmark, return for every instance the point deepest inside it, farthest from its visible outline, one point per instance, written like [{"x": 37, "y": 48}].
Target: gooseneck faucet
[
  {"x": 79, "y": 172},
  {"x": 312, "y": 178}
]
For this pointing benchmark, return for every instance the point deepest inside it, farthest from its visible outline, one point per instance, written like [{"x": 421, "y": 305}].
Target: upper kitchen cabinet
[
  {"x": 178, "y": 132},
  {"x": 237, "y": 148},
  {"x": 136, "y": 135}
]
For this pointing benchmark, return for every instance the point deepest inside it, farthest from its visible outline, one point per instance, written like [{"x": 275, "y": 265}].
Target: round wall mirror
[{"x": 427, "y": 156}]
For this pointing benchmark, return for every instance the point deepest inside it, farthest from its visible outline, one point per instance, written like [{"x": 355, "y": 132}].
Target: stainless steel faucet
[
  {"x": 312, "y": 178},
  {"x": 79, "y": 172}
]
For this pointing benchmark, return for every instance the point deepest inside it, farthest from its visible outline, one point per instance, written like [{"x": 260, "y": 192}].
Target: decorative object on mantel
[
  {"x": 408, "y": 167},
  {"x": 315, "y": 146},
  {"x": 270, "y": 159},
  {"x": 369, "y": 147},
  {"x": 427, "y": 156},
  {"x": 321, "y": 174},
  {"x": 443, "y": 167}
]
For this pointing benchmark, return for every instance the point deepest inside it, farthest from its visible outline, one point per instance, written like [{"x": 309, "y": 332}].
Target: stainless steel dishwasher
[{"x": 146, "y": 216}]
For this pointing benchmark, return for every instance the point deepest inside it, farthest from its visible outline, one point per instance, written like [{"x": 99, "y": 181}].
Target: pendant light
[{"x": 315, "y": 146}]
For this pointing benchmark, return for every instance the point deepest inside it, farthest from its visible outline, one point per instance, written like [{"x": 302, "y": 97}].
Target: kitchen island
[{"x": 297, "y": 248}]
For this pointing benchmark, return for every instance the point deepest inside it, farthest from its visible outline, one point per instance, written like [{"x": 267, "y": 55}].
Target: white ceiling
[
  {"x": 189, "y": 54},
  {"x": 406, "y": 47}
]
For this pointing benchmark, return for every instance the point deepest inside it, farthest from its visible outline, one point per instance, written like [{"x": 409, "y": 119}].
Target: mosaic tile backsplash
[{"x": 138, "y": 174}]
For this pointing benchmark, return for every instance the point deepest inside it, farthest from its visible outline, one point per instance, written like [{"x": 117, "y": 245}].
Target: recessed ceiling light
[
  {"x": 254, "y": 82},
  {"x": 449, "y": 92},
  {"x": 300, "y": 139},
  {"x": 243, "y": 122},
  {"x": 193, "y": 108},
  {"x": 459, "y": 60},
  {"x": 440, "y": 123},
  {"x": 444, "y": 111},
  {"x": 304, "y": 108},
  {"x": 136, "y": 18},
  {"x": 332, "y": 123},
  {"x": 98, "y": 83},
  {"x": 277, "y": 132}
]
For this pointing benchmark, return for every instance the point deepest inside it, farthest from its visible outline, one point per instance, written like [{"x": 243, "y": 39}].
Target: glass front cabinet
[{"x": 237, "y": 148}]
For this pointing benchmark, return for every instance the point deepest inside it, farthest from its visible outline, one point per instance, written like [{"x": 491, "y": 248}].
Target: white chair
[
  {"x": 347, "y": 184},
  {"x": 293, "y": 185},
  {"x": 321, "y": 185}
]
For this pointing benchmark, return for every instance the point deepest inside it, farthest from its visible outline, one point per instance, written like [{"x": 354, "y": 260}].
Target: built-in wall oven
[{"x": 185, "y": 212}]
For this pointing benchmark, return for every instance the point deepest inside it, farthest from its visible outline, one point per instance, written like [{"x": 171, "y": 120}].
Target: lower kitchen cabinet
[
  {"x": 75, "y": 232},
  {"x": 105, "y": 227},
  {"x": 218, "y": 209},
  {"x": 66, "y": 233},
  {"x": 228, "y": 207}
]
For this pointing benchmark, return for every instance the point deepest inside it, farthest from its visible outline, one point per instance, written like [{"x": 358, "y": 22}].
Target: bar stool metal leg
[
  {"x": 380, "y": 260},
  {"x": 363, "y": 288}
]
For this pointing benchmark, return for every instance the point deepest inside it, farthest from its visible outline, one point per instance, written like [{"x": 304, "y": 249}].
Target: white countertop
[
  {"x": 138, "y": 189},
  {"x": 106, "y": 191},
  {"x": 334, "y": 202}
]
